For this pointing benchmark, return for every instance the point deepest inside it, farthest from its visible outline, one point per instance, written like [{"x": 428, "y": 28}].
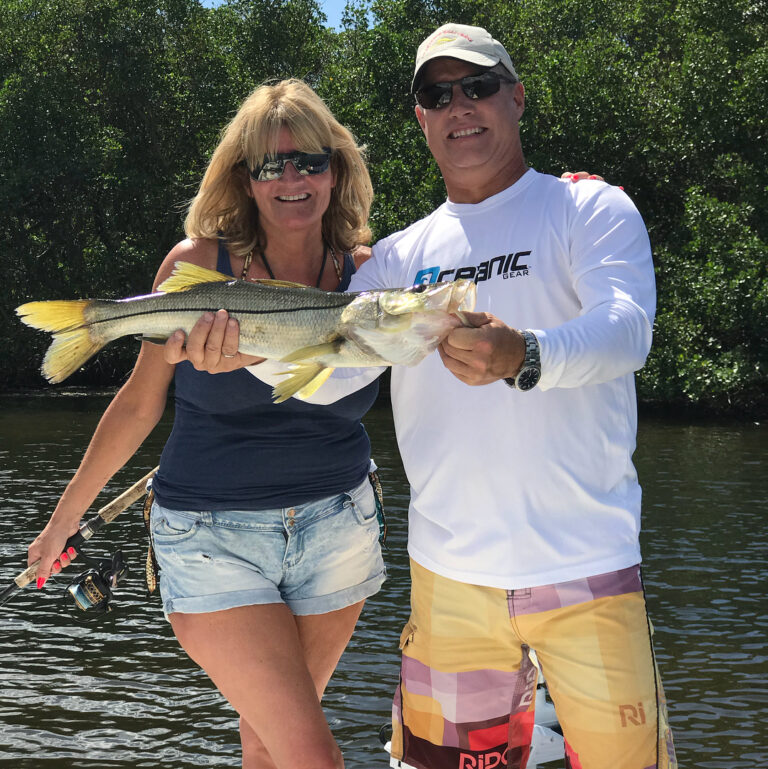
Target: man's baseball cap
[{"x": 459, "y": 41}]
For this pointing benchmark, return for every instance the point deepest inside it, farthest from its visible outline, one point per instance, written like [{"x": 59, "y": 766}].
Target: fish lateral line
[{"x": 201, "y": 310}]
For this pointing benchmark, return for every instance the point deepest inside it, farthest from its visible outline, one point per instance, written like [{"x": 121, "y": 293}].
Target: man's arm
[{"x": 612, "y": 275}]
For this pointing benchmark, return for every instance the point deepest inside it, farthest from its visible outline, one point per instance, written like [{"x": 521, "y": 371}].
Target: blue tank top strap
[
  {"x": 222, "y": 263},
  {"x": 347, "y": 271}
]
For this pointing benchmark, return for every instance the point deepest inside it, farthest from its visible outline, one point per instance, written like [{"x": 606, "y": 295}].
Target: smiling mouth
[
  {"x": 293, "y": 198},
  {"x": 465, "y": 132}
]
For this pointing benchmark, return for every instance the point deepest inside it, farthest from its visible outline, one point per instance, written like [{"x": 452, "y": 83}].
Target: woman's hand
[
  {"x": 575, "y": 176},
  {"x": 48, "y": 548},
  {"x": 211, "y": 346}
]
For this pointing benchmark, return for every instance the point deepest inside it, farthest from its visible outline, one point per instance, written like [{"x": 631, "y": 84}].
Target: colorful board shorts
[{"x": 467, "y": 688}]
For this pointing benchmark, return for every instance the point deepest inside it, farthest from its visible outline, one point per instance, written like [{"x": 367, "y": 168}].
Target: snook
[{"x": 314, "y": 331}]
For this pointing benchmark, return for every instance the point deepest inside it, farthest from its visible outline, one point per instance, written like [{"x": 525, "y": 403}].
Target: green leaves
[{"x": 109, "y": 112}]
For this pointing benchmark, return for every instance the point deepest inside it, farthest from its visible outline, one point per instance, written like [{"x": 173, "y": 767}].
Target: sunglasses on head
[
  {"x": 439, "y": 95},
  {"x": 305, "y": 163}
]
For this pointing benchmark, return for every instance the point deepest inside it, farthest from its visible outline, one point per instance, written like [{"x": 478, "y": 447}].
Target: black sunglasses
[
  {"x": 306, "y": 163},
  {"x": 439, "y": 95}
]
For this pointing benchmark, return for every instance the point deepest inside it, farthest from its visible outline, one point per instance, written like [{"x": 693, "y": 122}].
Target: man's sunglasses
[
  {"x": 439, "y": 95},
  {"x": 305, "y": 163}
]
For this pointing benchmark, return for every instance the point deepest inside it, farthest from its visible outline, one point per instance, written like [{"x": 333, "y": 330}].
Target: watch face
[{"x": 528, "y": 378}]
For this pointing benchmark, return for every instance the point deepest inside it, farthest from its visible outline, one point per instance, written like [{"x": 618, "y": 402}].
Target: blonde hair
[{"x": 222, "y": 204}]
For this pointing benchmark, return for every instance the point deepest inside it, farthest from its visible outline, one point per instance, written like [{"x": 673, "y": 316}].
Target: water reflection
[{"x": 120, "y": 693}]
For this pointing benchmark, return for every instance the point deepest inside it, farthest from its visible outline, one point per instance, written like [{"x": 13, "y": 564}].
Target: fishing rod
[{"x": 107, "y": 514}]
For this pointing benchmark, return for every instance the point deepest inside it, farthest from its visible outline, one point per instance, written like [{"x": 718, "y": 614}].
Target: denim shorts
[{"x": 315, "y": 558}]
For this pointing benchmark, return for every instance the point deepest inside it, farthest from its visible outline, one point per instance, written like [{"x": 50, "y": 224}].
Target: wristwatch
[{"x": 530, "y": 372}]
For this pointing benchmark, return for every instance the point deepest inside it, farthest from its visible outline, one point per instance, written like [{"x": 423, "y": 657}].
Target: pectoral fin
[
  {"x": 312, "y": 351},
  {"x": 301, "y": 381}
]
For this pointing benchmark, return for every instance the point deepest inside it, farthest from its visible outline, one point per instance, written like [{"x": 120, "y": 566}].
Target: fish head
[
  {"x": 447, "y": 297},
  {"x": 403, "y": 325}
]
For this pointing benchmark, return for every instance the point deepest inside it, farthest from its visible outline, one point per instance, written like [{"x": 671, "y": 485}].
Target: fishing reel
[{"x": 92, "y": 590}]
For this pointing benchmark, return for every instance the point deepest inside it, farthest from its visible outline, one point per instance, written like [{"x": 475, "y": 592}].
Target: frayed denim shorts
[{"x": 315, "y": 558}]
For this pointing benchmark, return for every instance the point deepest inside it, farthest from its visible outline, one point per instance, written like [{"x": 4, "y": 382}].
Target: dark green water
[{"x": 120, "y": 693}]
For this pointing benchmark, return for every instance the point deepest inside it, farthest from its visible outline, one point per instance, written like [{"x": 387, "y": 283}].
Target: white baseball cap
[{"x": 459, "y": 41}]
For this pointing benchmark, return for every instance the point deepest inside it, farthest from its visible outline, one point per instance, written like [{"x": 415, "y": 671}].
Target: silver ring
[{"x": 224, "y": 355}]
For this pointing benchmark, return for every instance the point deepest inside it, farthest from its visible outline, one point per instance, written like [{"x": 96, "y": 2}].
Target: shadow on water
[{"x": 120, "y": 693}]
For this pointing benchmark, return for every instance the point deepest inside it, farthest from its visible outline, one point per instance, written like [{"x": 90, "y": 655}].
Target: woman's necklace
[{"x": 249, "y": 258}]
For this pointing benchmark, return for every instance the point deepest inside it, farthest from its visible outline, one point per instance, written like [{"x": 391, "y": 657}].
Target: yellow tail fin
[
  {"x": 67, "y": 353},
  {"x": 72, "y": 344},
  {"x": 54, "y": 316},
  {"x": 302, "y": 380}
]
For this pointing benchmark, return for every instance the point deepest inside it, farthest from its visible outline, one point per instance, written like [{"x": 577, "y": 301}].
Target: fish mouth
[
  {"x": 463, "y": 133},
  {"x": 293, "y": 198}
]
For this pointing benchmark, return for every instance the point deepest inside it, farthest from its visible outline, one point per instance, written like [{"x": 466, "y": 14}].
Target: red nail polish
[
  {"x": 574, "y": 179},
  {"x": 71, "y": 552},
  {"x": 40, "y": 582},
  {"x": 592, "y": 176},
  {"x": 621, "y": 188},
  {"x": 56, "y": 567}
]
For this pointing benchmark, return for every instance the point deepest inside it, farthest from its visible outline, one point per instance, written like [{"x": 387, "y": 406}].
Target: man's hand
[
  {"x": 489, "y": 351},
  {"x": 211, "y": 346}
]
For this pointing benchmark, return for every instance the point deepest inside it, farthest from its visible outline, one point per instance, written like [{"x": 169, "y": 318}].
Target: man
[{"x": 525, "y": 505}]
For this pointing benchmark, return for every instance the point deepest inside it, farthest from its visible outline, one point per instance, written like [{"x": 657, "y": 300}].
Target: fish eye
[{"x": 420, "y": 288}]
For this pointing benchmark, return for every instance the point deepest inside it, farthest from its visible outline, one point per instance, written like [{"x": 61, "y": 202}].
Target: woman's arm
[{"x": 128, "y": 420}]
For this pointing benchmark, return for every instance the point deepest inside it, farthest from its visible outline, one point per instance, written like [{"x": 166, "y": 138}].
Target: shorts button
[
  {"x": 291, "y": 522},
  {"x": 291, "y": 513}
]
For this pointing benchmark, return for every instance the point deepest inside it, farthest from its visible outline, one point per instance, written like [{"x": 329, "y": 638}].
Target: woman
[{"x": 264, "y": 521}]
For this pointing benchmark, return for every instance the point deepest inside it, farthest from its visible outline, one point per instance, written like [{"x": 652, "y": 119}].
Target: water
[{"x": 120, "y": 693}]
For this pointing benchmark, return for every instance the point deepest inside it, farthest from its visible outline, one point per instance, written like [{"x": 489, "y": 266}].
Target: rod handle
[{"x": 107, "y": 514}]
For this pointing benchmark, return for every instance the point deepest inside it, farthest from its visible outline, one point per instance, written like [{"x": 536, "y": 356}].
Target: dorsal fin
[
  {"x": 282, "y": 283},
  {"x": 187, "y": 275}
]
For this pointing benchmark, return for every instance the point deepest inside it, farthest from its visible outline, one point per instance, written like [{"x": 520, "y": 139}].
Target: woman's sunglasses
[
  {"x": 439, "y": 95},
  {"x": 305, "y": 163}
]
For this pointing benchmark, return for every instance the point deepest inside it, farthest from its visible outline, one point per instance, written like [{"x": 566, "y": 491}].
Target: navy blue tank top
[{"x": 233, "y": 448}]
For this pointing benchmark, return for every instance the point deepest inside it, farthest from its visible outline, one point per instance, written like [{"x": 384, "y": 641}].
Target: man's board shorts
[
  {"x": 316, "y": 557},
  {"x": 467, "y": 689}
]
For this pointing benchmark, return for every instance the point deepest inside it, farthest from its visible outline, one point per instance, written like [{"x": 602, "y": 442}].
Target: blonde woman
[{"x": 264, "y": 521}]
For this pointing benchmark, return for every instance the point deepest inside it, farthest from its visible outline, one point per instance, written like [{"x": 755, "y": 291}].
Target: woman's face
[{"x": 293, "y": 202}]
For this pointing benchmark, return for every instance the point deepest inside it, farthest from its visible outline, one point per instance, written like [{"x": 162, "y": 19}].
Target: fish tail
[
  {"x": 72, "y": 344},
  {"x": 302, "y": 380},
  {"x": 55, "y": 316}
]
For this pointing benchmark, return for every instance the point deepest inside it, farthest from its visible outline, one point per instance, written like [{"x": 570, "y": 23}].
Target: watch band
[{"x": 530, "y": 372}]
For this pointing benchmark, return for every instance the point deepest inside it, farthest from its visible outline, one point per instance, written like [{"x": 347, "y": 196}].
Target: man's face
[{"x": 472, "y": 137}]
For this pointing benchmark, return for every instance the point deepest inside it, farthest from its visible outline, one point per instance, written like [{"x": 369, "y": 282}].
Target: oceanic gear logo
[{"x": 507, "y": 265}]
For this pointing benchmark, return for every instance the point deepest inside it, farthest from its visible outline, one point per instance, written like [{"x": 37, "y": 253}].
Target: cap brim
[{"x": 473, "y": 57}]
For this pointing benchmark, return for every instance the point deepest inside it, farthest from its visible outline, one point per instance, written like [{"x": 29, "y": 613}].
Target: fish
[{"x": 312, "y": 331}]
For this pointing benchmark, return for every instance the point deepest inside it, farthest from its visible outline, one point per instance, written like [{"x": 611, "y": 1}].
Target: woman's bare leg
[
  {"x": 323, "y": 638},
  {"x": 273, "y": 668}
]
